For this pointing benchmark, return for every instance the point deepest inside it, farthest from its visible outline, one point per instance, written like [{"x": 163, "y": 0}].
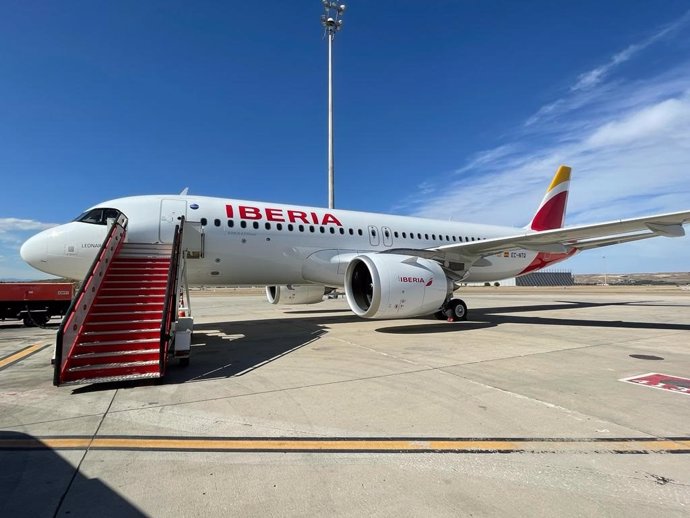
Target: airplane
[{"x": 390, "y": 266}]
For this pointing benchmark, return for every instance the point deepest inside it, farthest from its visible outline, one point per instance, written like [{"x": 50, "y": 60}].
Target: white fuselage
[{"x": 256, "y": 243}]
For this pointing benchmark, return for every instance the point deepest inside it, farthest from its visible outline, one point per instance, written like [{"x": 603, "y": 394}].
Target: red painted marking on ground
[{"x": 662, "y": 381}]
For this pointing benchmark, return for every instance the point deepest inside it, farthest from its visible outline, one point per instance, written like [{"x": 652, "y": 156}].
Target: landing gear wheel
[
  {"x": 456, "y": 310},
  {"x": 441, "y": 315}
]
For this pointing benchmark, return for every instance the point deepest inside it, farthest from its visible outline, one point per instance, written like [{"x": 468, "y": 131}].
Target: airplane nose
[{"x": 35, "y": 250}]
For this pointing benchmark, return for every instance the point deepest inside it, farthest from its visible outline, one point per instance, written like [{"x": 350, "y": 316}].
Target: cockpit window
[{"x": 98, "y": 216}]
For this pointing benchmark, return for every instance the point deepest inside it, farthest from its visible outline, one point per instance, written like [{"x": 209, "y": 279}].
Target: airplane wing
[{"x": 562, "y": 240}]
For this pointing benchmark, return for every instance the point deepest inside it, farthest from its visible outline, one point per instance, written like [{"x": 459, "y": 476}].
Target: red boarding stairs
[{"x": 120, "y": 322}]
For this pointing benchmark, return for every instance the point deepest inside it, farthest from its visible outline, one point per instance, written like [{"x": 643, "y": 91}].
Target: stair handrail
[
  {"x": 171, "y": 289},
  {"x": 81, "y": 303}
]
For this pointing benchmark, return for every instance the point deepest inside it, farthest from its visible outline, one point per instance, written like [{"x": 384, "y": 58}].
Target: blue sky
[{"x": 449, "y": 109}]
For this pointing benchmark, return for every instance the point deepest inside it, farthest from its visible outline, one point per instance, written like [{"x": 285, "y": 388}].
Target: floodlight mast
[{"x": 332, "y": 21}]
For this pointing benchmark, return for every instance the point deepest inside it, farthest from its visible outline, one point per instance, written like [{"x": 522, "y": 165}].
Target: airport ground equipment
[
  {"x": 121, "y": 323},
  {"x": 34, "y": 302}
]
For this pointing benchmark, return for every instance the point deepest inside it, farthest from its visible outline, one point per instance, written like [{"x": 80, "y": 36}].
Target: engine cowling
[
  {"x": 395, "y": 286},
  {"x": 295, "y": 294}
]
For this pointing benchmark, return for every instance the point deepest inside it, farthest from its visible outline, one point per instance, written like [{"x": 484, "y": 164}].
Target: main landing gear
[{"x": 455, "y": 310}]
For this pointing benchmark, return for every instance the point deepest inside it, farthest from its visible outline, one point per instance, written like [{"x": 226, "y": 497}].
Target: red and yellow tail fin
[{"x": 551, "y": 212}]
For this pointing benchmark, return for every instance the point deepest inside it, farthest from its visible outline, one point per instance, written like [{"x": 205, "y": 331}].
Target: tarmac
[{"x": 309, "y": 410}]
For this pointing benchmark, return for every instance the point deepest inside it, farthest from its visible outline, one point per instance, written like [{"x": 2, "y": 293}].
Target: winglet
[{"x": 551, "y": 212}]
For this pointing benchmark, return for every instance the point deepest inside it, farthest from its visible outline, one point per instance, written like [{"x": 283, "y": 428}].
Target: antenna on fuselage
[{"x": 184, "y": 191}]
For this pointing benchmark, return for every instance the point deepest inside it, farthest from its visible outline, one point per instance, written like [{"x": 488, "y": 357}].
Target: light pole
[
  {"x": 605, "y": 279},
  {"x": 332, "y": 21}
]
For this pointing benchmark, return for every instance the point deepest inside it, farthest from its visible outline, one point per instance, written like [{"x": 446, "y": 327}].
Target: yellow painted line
[
  {"x": 12, "y": 358},
  {"x": 556, "y": 446},
  {"x": 298, "y": 444}
]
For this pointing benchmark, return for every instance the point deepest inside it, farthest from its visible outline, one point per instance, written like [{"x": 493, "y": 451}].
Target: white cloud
[
  {"x": 667, "y": 119},
  {"x": 593, "y": 77},
  {"x": 13, "y": 232},
  {"x": 14, "y": 224}
]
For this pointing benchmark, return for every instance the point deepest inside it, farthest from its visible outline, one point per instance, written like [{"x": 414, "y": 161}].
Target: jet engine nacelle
[
  {"x": 294, "y": 294},
  {"x": 395, "y": 286}
]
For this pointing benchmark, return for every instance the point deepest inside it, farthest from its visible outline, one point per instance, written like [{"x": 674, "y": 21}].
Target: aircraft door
[
  {"x": 170, "y": 211},
  {"x": 374, "y": 238},
  {"x": 387, "y": 236}
]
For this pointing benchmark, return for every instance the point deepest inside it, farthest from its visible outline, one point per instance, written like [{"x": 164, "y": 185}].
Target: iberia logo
[{"x": 417, "y": 280}]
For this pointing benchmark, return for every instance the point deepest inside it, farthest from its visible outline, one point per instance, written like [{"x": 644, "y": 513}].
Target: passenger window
[
  {"x": 311, "y": 228},
  {"x": 204, "y": 222},
  {"x": 333, "y": 230},
  {"x": 322, "y": 230},
  {"x": 255, "y": 225},
  {"x": 359, "y": 231},
  {"x": 301, "y": 228},
  {"x": 395, "y": 234},
  {"x": 342, "y": 231},
  {"x": 216, "y": 222},
  {"x": 231, "y": 223},
  {"x": 268, "y": 226},
  {"x": 352, "y": 232},
  {"x": 279, "y": 226},
  {"x": 291, "y": 227}
]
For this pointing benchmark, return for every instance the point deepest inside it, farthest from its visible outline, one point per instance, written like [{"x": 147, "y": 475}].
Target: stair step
[
  {"x": 130, "y": 370},
  {"x": 112, "y": 357},
  {"x": 118, "y": 288},
  {"x": 140, "y": 290},
  {"x": 141, "y": 261},
  {"x": 151, "y": 298},
  {"x": 122, "y": 316},
  {"x": 91, "y": 337},
  {"x": 140, "y": 267},
  {"x": 114, "y": 365},
  {"x": 112, "y": 379},
  {"x": 127, "y": 281},
  {"x": 120, "y": 325},
  {"x": 160, "y": 273},
  {"x": 105, "y": 310},
  {"x": 117, "y": 346},
  {"x": 145, "y": 280}
]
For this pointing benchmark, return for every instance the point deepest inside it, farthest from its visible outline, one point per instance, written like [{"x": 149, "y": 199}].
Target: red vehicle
[{"x": 34, "y": 302}]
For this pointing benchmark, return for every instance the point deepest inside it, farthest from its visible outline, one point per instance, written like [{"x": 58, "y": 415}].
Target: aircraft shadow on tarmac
[
  {"x": 231, "y": 349},
  {"x": 490, "y": 317},
  {"x": 36, "y": 481}
]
